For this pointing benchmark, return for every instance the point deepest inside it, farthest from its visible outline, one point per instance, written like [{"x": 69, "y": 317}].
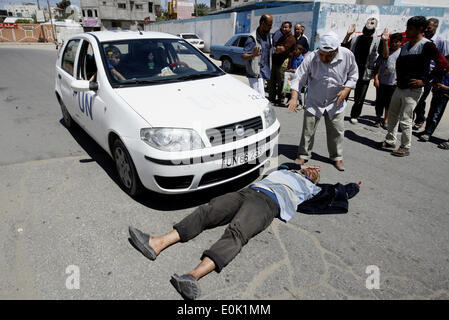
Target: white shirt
[
  {"x": 326, "y": 80},
  {"x": 441, "y": 44}
]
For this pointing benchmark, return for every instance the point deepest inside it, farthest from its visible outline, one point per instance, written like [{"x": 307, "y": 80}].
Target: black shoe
[
  {"x": 186, "y": 286},
  {"x": 141, "y": 241}
]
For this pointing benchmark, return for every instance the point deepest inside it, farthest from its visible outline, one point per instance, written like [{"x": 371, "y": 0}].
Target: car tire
[
  {"x": 69, "y": 123},
  {"x": 127, "y": 173},
  {"x": 227, "y": 65}
]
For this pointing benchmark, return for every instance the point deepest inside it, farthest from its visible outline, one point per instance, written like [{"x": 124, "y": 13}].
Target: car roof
[{"x": 114, "y": 35}]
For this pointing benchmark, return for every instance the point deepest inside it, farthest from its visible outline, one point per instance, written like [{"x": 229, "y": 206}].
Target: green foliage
[
  {"x": 24, "y": 21},
  {"x": 163, "y": 16},
  {"x": 63, "y": 4},
  {"x": 201, "y": 9}
]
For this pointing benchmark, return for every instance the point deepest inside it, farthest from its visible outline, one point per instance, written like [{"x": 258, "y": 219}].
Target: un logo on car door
[{"x": 85, "y": 103}]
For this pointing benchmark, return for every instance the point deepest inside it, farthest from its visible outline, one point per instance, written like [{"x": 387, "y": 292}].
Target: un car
[{"x": 171, "y": 120}]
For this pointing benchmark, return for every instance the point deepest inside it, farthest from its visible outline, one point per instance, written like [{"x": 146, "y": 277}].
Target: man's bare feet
[
  {"x": 318, "y": 168},
  {"x": 155, "y": 243},
  {"x": 360, "y": 183}
]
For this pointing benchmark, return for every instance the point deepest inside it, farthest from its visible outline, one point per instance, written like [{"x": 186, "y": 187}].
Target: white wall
[{"x": 212, "y": 29}]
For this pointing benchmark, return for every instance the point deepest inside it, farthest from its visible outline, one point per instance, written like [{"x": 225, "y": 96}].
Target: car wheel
[
  {"x": 227, "y": 65},
  {"x": 67, "y": 118},
  {"x": 126, "y": 170}
]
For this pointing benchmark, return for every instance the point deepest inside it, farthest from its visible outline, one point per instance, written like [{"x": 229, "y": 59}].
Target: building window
[
  {"x": 104, "y": 3},
  {"x": 116, "y": 24},
  {"x": 139, "y": 6},
  {"x": 150, "y": 6},
  {"x": 84, "y": 13},
  {"x": 122, "y": 5},
  {"x": 89, "y": 13},
  {"x": 96, "y": 13}
]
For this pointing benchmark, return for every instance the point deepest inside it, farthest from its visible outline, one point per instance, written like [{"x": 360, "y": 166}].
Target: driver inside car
[{"x": 113, "y": 59}]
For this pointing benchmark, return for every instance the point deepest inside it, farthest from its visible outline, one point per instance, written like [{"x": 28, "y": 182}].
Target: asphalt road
[{"x": 60, "y": 206}]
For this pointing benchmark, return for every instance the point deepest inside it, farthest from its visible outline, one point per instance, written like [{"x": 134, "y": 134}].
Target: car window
[
  {"x": 87, "y": 67},
  {"x": 236, "y": 42},
  {"x": 68, "y": 57},
  {"x": 190, "y": 36},
  {"x": 242, "y": 41},
  {"x": 150, "y": 61}
]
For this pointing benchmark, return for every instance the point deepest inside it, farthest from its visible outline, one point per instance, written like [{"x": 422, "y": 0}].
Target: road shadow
[
  {"x": 433, "y": 139},
  {"x": 290, "y": 151},
  {"x": 351, "y": 135},
  {"x": 149, "y": 198},
  {"x": 365, "y": 120}
]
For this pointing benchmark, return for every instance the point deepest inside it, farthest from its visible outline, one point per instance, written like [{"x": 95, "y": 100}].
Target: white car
[
  {"x": 193, "y": 39},
  {"x": 174, "y": 123}
]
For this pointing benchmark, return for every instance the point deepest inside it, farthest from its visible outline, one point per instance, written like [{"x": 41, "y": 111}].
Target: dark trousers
[
  {"x": 420, "y": 109},
  {"x": 359, "y": 98},
  {"x": 383, "y": 98},
  {"x": 437, "y": 107},
  {"x": 275, "y": 83},
  {"x": 247, "y": 212}
]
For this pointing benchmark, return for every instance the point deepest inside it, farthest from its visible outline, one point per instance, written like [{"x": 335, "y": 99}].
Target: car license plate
[{"x": 241, "y": 158}]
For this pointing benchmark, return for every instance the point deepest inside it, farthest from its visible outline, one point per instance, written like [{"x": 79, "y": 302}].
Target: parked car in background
[
  {"x": 231, "y": 52},
  {"x": 193, "y": 39},
  {"x": 171, "y": 120}
]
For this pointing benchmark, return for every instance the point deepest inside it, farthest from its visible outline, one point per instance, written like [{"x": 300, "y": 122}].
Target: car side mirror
[{"x": 84, "y": 85}]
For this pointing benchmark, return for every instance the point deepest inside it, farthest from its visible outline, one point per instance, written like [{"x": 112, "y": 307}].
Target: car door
[
  {"x": 91, "y": 106},
  {"x": 237, "y": 50},
  {"x": 65, "y": 75}
]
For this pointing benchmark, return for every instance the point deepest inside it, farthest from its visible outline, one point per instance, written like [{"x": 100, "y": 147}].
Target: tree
[
  {"x": 63, "y": 4},
  {"x": 163, "y": 16},
  {"x": 201, "y": 10}
]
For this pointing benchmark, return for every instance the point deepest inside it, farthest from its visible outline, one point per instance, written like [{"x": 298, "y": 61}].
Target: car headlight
[
  {"x": 270, "y": 115},
  {"x": 172, "y": 139}
]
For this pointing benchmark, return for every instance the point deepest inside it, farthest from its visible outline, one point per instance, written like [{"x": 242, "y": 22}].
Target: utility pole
[
  {"x": 38, "y": 5},
  {"x": 53, "y": 32}
]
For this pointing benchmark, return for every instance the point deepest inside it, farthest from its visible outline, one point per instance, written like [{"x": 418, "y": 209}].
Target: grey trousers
[
  {"x": 334, "y": 131},
  {"x": 402, "y": 104},
  {"x": 247, "y": 213}
]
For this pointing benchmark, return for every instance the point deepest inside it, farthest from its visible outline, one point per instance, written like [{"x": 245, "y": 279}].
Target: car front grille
[
  {"x": 181, "y": 182},
  {"x": 227, "y": 133}
]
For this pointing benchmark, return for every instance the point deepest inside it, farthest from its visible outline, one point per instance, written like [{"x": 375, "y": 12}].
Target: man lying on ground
[{"x": 248, "y": 212}]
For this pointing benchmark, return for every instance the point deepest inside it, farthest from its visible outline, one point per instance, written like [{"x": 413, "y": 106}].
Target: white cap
[
  {"x": 371, "y": 23},
  {"x": 329, "y": 41}
]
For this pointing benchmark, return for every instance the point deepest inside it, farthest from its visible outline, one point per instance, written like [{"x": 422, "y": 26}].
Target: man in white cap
[{"x": 330, "y": 72}]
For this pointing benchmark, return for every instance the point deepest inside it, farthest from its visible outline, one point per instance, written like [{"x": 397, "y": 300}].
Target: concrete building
[
  {"x": 25, "y": 10},
  {"x": 225, "y": 5},
  {"x": 118, "y": 14},
  {"x": 178, "y": 10}
]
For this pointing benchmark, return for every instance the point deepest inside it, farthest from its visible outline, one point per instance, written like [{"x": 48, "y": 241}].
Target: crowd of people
[{"x": 404, "y": 67}]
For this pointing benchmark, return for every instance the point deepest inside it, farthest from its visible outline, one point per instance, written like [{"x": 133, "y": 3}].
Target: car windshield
[
  {"x": 190, "y": 36},
  {"x": 155, "y": 61}
]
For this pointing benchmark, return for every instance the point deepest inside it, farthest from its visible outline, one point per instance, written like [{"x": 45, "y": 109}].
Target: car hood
[{"x": 205, "y": 103}]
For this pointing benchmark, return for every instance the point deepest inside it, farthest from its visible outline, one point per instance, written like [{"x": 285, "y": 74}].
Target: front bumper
[{"x": 187, "y": 174}]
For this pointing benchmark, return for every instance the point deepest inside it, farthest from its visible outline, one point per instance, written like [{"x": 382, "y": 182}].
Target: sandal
[
  {"x": 401, "y": 152},
  {"x": 417, "y": 126},
  {"x": 444, "y": 145}
]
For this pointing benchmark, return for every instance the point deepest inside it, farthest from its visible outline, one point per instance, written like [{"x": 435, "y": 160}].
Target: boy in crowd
[{"x": 385, "y": 78}]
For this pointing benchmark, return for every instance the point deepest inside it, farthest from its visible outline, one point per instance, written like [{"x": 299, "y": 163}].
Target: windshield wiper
[{"x": 198, "y": 76}]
